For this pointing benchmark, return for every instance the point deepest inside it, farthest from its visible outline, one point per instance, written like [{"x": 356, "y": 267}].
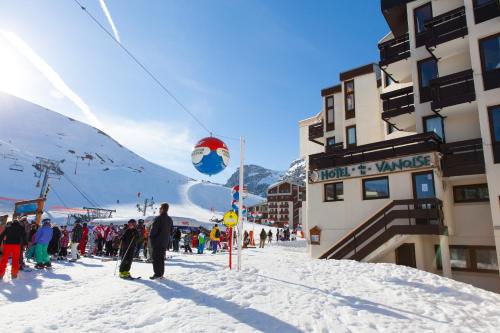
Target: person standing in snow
[
  {"x": 30, "y": 252},
  {"x": 128, "y": 244},
  {"x": 26, "y": 225},
  {"x": 277, "y": 235},
  {"x": 53, "y": 248},
  {"x": 14, "y": 235},
  {"x": 159, "y": 237},
  {"x": 201, "y": 242},
  {"x": 76, "y": 237},
  {"x": 269, "y": 236},
  {"x": 92, "y": 242},
  {"x": 187, "y": 243},
  {"x": 140, "y": 241},
  {"x": 215, "y": 238},
  {"x": 63, "y": 244},
  {"x": 263, "y": 236},
  {"x": 42, "y": 239},
  {"x": 176, "y": 239},
  {"x": 85, "y": 237},
  {"x": 100, "y": 235}
]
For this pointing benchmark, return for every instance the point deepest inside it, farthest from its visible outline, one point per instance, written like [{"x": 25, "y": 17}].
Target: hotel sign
[{"x": 405, "y": 163}]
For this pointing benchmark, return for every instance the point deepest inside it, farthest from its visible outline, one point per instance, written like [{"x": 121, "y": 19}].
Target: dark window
[
  {"x": 351, "y": 140},
  {"x": 391, "y": 128},
  {"x": 387, "y": 80},
  {"x": 330, "y": 141},
  {"x": 489, "y": 49},
  {"x": 427, "y": 70},
  {"x": 330, "y": 114},
  {"x": 334, "y": 192},
  {"x": 494, "y": 116},
  {"x": 349, "y": 99},
  {"x": 434, "y": 124},
  {"x": 376, "y": 188},
  {"x": 421, "y": 15},
  {"x": 471, "y": 193},
  {"x": 470, "y": 258}
]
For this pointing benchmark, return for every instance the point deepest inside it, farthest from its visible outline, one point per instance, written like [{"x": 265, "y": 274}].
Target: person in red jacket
[
  {"x": 83, "y": 241},
  {"x": 15, "y": 237}
]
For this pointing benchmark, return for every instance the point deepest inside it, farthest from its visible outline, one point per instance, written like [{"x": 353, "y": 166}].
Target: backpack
[{"x": 217, "y": 233}]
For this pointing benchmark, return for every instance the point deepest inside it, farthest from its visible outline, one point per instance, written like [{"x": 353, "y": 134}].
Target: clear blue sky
[{"x": 252, "y": 68}]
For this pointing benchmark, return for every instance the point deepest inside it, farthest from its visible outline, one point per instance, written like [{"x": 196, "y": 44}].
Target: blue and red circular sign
[{"x": 210, "y": 156}]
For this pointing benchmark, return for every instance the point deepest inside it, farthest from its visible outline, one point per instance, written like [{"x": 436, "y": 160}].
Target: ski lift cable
[
  {"x": 59, "y": 197},
  {"x": 143, "y": 67},
  {"x": 90, "y": 201}
]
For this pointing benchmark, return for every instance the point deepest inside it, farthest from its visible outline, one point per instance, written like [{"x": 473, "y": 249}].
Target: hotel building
[{"x": 404, "y": 158}]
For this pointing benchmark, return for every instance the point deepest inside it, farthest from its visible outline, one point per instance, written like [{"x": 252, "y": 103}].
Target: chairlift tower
[{"x": 49, "y": 169}]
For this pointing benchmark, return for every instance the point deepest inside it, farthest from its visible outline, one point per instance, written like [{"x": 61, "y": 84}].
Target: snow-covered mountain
[
  {"x": 97, "y": 170},
  {"x": 296, "y": 173},
  {"x": 257, "y": 179}
]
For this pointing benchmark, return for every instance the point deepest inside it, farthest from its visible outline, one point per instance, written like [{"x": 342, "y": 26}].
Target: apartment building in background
[{"x": 404, "y": 158}]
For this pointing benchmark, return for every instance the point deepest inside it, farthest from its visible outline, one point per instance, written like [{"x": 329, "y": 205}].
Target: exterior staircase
[{"x": 399, "y": 217}]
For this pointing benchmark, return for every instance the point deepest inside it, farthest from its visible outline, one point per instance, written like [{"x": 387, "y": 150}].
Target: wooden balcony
[
  {"x": 452, "y": 89},
  {"x": 397, "y": 102},
  {"x": 408, "y": 145},
  {"x": 444, "y": 28},
  {"x": 462, "y": 158},
  {"x": 400, "y": 217},
  {"x": 486, "y": 11},
  {"x": 316, "y": 131},
  {"x": 394, "y": 50}
]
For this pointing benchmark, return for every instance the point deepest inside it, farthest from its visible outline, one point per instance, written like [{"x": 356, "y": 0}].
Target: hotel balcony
[
  {"x": 398, "y": 107},
  {"x": 394, "y": 50},
  {"x": 486, "y": 11},
  {"x": 453, "y": 89},
  {"x": 462, "y": 158},
  {"x": 316, "y": 131},
  {"x": 408, "y": 145}
]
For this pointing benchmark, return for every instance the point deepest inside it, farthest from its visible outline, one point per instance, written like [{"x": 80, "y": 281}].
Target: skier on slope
[
  {"x": 15, "y": 236},
  {"x": 128, "y": 244},
  {"x": 42, "y": 239}
]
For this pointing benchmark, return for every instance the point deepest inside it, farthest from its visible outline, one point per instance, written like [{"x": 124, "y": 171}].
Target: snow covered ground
[{"x": 279, "y": 290}]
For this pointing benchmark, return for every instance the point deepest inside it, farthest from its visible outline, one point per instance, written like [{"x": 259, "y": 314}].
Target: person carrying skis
[
  {"x": 42, "y": 239},
  {"x": 201, "y": 242},
  {"x": 215, "y": 238},
  {"x": 159, "y": 237},
  {"x": 263, "y": 236},
  {"x": 15, "y": 236},
  {"x": 76, "y": 237},
  {"x": 129, "y": 242}
]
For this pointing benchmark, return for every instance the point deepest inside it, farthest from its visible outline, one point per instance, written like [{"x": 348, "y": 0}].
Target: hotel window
[
  {"x": 330, "y": 141},
  {"x": 376, "y": 188},
  {"x": 434, "y": 124},
  {"x": 494, "y": 116},
  {"x": 470, "y": 258},
  {"x": 421, "y": 15},
  {"x": 334, "y": 192},
  {"x": 351, "y": 140},
  {"x": 471, "y": 193},
  {"x": 489, "y": 49},
  {"x": 387, "y": 80},
  {"x": 349, "y": 99},
  {"x": 330, "y": 114},
  {"x": 427, "y": 70}
]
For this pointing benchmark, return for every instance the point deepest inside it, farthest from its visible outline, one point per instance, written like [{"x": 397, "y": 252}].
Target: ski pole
[{"x": 125, "y": 254}]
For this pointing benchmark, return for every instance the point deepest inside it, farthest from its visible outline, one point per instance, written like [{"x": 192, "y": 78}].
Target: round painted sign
[
  {"x": 210, "y": 156},
  {"x": 230, "y": 219}
]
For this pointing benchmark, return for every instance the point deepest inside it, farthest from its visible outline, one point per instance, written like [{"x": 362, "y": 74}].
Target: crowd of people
[{"x": 24, "y": 242}]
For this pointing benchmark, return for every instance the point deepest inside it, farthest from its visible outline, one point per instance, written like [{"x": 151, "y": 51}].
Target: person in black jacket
[
  {"x": 54, "y": 242},
  {"x": 15, "y": 237},
  {"x": 76, "y": 237},
  {"x": 160, "y": 237},
  {"x": 128, "y": 245},
  {"x": 177, "y": 239}
]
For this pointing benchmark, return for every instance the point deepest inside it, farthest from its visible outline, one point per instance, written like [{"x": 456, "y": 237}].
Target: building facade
[
  {"x": 261, "y": 210},
  {"x": 284, "y": 201},
  {"x": 409, "y": 167}
]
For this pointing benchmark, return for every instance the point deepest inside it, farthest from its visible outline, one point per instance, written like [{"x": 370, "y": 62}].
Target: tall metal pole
[
  {"x": 45, "y": 181},
  {"x": 240, "y": 201}
]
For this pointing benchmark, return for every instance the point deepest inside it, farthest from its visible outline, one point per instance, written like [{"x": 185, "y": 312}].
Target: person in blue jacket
[{"x": 42, "y": 240}]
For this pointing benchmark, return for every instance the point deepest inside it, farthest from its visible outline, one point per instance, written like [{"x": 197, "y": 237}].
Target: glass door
[{"x": 423, "y": 188}]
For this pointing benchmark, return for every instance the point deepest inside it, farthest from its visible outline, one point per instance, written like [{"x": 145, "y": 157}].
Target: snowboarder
[
  {"x": 128, "y": 244},
  {"x": 15, "y": 236},
  {"x": 201, "y": 242},
  {"x": 215, "y": 238},
  {"x": 263, "y": 236},
  {"x": 159, "y": 237},
  {"x": 42, "y": 239},
  {"x": 76, "y": 237}
]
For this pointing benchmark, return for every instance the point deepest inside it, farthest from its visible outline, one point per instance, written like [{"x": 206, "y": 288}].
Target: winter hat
[{"x": 46, "y": 221}]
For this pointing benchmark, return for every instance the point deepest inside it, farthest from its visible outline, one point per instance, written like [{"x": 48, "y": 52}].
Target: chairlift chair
[{"x": 16, "y": 167}]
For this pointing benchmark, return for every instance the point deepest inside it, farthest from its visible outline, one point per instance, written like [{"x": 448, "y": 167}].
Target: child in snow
[
  {"x": 64, "y": 243},
  {"x": 187, "y": 243},
  {"x": 201, "y": 242},
  {"x": 128, "y": 244}
]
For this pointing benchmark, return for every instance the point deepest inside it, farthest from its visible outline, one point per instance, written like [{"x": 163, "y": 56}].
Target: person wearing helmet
[
  {"x": 129, "y": 242},
  {"x": 42, "y": 239},
  {"x": 14, "y": 235}
]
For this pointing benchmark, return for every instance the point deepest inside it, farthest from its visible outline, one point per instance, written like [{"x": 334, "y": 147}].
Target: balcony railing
[
  {"x": 446, "y": 27},
  {"x": 316, "y": 131},
  {"x": 452, "y": 89},
  {"x": 394, "y": 50},
  {"x": 397, "y": 102},
  {"x": 333, "y": 148},
  {"x": 412, "y": 144},
  {"x": 462, "y": 158},
  {"x": 486, "y": 11}
]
